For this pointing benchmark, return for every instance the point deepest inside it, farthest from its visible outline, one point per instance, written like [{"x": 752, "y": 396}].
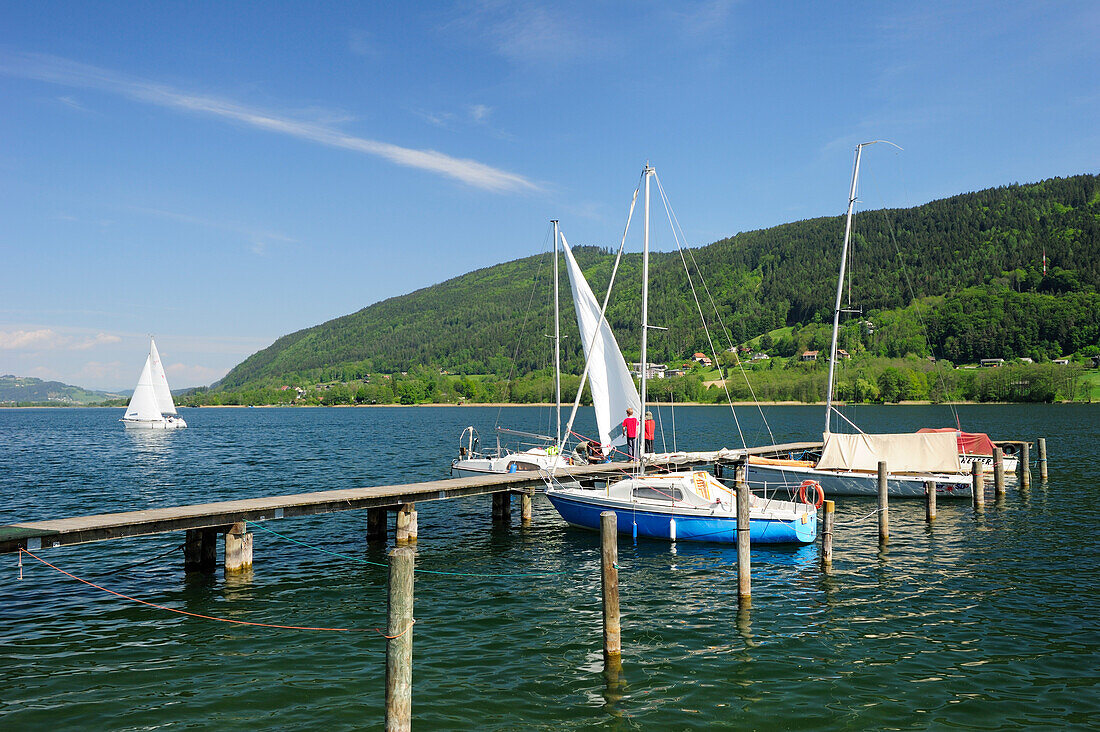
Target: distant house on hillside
[
  {"x": 1062, "y": 361},
  {"x": 992, "y": 363},
  {"x": 702, "y": 358},
  {"x": 653, "y": 371},
  {"x": 1025, "y": 359},
  {"x": 808, "y": 356},
  {"x": 760, "y": 357},
  {"x": 842, "y": 354}
]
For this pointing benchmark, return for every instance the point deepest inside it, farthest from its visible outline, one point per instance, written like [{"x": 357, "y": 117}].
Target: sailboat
[
  {"x": 471, "y": 461},
  {"x": 151, "y": 407},
  {"x": 687, "y": 506},
  {"x": 849, "y": 462}
]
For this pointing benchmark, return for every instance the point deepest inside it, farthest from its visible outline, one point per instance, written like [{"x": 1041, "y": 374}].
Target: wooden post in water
[
  {"x": 399, "y": 638},
  {"x": 238, "y": 548},
  {"x": 930, "y": 495},
  {"x": 609, "y": 560},
  {"x": 998, "y": 472},
  {"x": 376, "y": 525},
  {"x": 829, "y": 519},
  {"x": 406, "y": 523},
  {"x": 1025, "y": 465},
  {"x": 502, "y": 508},
  {"x": 525, "y": 507},
  {"x": 1043, "y": 459},
  {"x": 883, "y": 505},
  {"x": 200, "y": 551},
  {"x": 744, "y": 567},
  {"x": 977, "y": 478}
]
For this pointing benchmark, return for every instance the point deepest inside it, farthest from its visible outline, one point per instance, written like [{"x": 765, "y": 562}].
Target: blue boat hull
[{"x": 658, "y": 525}]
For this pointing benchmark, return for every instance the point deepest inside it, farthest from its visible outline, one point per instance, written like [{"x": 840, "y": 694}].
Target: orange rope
[
  {"x": 395, "y": 637},
  {"x": 183, "y": 612}
]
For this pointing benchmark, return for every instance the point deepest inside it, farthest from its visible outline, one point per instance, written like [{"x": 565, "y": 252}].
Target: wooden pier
[{"x": 204, "y": 521}]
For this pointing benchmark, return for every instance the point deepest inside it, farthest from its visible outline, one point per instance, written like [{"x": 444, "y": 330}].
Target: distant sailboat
[{"x": 151, "y": 407}]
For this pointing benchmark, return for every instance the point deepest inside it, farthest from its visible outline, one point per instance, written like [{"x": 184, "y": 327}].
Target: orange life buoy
[{"x": 817, "y": 487}]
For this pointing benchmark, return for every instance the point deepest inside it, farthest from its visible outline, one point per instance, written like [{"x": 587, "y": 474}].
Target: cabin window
[{"x": 658, "y": 494}]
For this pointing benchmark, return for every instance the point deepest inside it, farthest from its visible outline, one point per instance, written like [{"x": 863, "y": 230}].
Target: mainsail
[
  {"x": 160, "y": 381},
  {"x": 612, "y": 385},
  {"x": 143, "y": 404}
]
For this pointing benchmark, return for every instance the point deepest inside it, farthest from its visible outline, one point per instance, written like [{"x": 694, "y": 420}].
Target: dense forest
[{"x": 959, "y": 279}]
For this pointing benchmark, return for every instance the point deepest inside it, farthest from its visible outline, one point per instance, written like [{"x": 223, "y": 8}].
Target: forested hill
[{"x": 993, "y": 240}]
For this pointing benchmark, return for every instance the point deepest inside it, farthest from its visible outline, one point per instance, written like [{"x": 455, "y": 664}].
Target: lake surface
[{"x": 989, "y": 620}]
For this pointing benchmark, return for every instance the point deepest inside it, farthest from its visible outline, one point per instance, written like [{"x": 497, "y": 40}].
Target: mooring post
[
  {"x": 609, "y": 560},
  {"x": 977, "y": 478},
  {"x": 930, "y": 495},
  {"x": 883, "y": 505},
  {"x": 525, "y": 507},
  {"x": 744, "y": 568},
  {"x": 200, "y": 551},
  {"x": 376, "y": 525},
  {"x": 399, "y": 640},
  {"x": 998, "y": 472},
  {"x": 1043, "y": 459},
  {"x": 238, "y": 548},
  {"x": 406, "y": 523},
  {"x": 827, "y": 536},
  {"x": 502, "y": 508},
  {"x": 1025, "y": 466}
]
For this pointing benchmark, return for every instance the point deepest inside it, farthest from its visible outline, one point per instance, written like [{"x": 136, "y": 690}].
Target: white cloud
[
  {"x": 99, "y": 339},
  {"x": 43, "y": 338},
  {"x": 54, "y": 70},
  {"x": 479, "y": 112}
]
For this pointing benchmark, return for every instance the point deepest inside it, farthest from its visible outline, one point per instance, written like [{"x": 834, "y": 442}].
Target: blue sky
[{"x": 221, "y": 174}]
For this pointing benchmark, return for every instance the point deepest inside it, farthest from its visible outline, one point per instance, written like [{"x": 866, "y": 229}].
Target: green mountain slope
[
  {"x": 27, "y": 389},
  {"x": 992, "y": 240}
]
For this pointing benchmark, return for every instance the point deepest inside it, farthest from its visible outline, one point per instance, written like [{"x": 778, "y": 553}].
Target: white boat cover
[
  {"x": 160, "y": 381},
  {"x": 143, "y": 404},
  {"x": 929, "y": 452},
  {"x": 613, "y": 387}
]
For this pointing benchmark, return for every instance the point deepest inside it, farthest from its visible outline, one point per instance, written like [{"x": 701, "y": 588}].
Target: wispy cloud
[
  {"x": 45, "y": 339},
  {"x": 479, "y": 112},
  {"x": 55, "y": 70},
  {"x": 527, "y": 33}
]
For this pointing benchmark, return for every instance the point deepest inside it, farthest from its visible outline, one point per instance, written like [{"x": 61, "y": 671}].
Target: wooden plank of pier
[{"x": 223, "y": 514}]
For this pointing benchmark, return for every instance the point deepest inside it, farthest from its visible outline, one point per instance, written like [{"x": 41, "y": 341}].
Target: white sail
[
  {"x": 160, "y": 381},
  {"x": 612, "y": 385},
  {"x": 143, "y": 404}
]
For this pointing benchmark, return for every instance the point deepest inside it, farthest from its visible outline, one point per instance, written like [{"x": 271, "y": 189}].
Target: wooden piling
[
  {"x": 406, "y": 524},
  {"x": 1025, "y": 466},
  {"x": 998, "y": 472},
  {"x": 376, "y": 525},
  {"x": 525, "y": 508},
  {"x": 200, "y": 551},
  {"x": 883, "y": 505},
  {"x": 399, "y": 638},
  {"x": 1043, "y": 459},
  {"x": 502, "y": 508},
  {"x": 744, "y": 568},
  {"x": 930, "y": 497},
  {"x": 609, "y": 560},
  {"x": 977, "y": 478},
  {"x": 829, "y": 518},
  {"x": 238, "y": 548}
]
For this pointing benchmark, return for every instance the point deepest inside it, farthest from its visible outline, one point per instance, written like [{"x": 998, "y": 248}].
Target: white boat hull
[
  {"x": 842, "y": 483},
  {"x": 169, "y": 423}
]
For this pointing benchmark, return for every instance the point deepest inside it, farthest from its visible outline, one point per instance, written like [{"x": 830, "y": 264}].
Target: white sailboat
[
  {"x": 849, "y": 462},
  {"x": 151, "y": 407},
  {"x": 687, "y": 506},
  {"x": 471, "y": 461}
]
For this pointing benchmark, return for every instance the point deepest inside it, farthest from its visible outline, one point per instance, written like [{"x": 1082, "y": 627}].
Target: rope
[
  {"x": 138, "y": 564},
  {"x": 851, "y": 522},
  {"x": 180, "y": 612},
  {"x": 395, "y": 637},
  {"x": 383, "y": 564}
]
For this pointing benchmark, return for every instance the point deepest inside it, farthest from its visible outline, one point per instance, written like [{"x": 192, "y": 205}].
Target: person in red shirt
[
  {"x": 630, "y": 429},
  {"x": 650, "y": 426}
]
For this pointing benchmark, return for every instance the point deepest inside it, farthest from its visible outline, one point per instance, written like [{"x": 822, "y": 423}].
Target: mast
[
  {"x": 645, "y": 314},
  {"x": 840, "y": 286},
  {"x": 557, "y": 333}
]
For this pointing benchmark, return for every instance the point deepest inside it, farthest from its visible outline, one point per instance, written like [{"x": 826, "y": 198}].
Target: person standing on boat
[
  {"x": 630, "y": 429},
  {"x": 650, "y": 428}
]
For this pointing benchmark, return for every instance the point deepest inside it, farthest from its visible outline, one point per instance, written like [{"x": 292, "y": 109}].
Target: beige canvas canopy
[{"x": 929, "y": 452}]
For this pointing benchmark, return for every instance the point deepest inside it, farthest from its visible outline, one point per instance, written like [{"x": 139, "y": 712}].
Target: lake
[{"x": 983, "y": 620}]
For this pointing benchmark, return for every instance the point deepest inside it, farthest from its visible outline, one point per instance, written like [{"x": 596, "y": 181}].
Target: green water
[{"x": 977, "y": 621}]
